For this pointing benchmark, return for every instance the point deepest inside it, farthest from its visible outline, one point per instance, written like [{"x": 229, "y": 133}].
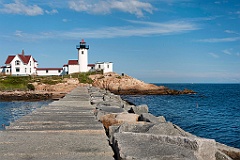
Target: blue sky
[{"x": 185, "y": 41}]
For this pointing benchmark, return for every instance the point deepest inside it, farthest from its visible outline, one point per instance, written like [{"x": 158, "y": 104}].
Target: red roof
[
  {"x": 41, "y": 69},
  {"x": 72, "y": 62},
  {"x": 91, "y": 65},
  {"x": 25, "y": 58},
  {"x": 9, "y": 59}
]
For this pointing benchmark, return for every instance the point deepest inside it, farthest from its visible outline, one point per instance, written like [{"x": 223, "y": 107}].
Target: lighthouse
[{"x": 83, "y": 56}]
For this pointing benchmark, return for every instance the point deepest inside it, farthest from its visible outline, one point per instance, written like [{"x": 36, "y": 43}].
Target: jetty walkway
[{"x": 64, "y": 129}]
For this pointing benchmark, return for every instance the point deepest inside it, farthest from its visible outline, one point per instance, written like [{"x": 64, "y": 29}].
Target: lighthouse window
[
  {"x": 82, "y": 52},
  {"x": 99, "y": 66}
]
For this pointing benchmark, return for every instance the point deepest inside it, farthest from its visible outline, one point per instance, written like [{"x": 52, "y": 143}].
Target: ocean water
[
  {"x": 214, "y": 112},
  {"x": 11, "y": 111}
]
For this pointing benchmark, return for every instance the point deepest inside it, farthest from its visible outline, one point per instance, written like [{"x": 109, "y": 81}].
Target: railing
[{"x": 82, "y": 46}]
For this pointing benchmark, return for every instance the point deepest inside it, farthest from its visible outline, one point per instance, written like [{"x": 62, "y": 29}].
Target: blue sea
[
  {"x": 213, "y": 112},
  {"x": 11, "y": 111}
]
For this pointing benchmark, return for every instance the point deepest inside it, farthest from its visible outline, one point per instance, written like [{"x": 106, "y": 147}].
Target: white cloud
[
  {"x": 104, "y": 7},
  {"x": 214, "y": 55},
  {"x": 18, "y": 33},
  {"x": 140, "y": 29},
  {"x": 217, "y": 40},
  {"x": 19, "y": 8},
  {"x": 65, "y": 20},
  {"x": 54, "y": 11},
  {"x": 232, "y": 32},
  {"x": 228, "y": 51}
]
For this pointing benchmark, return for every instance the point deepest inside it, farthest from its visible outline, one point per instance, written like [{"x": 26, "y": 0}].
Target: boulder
[
  {"x": 233, "y": 153},
  {"x": 166, "y": 129},
  {"x": 143, "y": 146},
  {"x": 140, "y": 127},
  {"x": 117, "y": 119},
  {"x": 148, "y": 117},
  {"x": 222, "y": 156},
  {"x": 139, "y": 109}
]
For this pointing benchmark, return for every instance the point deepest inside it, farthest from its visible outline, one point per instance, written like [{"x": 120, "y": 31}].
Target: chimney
[{"x": 23, "y": 52}]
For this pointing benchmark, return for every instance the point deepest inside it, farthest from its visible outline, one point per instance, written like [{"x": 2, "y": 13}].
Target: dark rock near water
[
  {"x": 148, "y": 117},
  {"x": 25, "y": 96},
  {"x": 139, "y": 109}
]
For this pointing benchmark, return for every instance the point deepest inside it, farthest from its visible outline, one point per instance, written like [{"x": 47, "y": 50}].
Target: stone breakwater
[{"x": 134, "y": 133}]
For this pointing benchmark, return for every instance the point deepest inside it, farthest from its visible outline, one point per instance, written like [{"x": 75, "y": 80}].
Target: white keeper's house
[{"x": 25, "y": 65}]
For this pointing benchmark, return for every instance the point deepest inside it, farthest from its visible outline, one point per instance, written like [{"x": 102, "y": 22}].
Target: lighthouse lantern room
[{"x": 83, "y": 56}]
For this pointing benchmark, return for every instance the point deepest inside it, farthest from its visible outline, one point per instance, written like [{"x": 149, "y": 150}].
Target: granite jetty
[{"x": 92, "y": 123}]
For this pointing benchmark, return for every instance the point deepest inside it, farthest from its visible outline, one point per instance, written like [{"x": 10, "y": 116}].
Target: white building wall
[
  {"x": 73, "y": 69},
  {"x": 1, "y": 70},
  {"x": 31, "y": 67},
  {"x": 6, "y": 71},
  {"x": 108, "y": 67},
  {"x": 18, "y": 67},
  {"x": 99, "y": 66},
  {"x": 105, "y": 66},
  {"x": 49, "y": 72},
  {"x": 65, "y": 70}
]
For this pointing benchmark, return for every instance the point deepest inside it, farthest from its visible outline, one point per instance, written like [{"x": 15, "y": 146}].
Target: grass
[
  {"x": 13, "y": 83},
  {"x": 10, "y": 83}
]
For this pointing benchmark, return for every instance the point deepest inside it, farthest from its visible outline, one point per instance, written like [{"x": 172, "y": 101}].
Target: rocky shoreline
[
  {"x": 30, "y": 95},
  {"x": 126, "y": 85},
  {"x": 120, "y": 85},
  {"x": 134, "y": 133}
]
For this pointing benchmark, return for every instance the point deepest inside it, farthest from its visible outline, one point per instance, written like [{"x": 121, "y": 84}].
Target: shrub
[{"x": 30, "y": 87}]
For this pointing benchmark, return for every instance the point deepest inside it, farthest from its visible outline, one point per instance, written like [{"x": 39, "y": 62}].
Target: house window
[
  {"x": 92, "y": 68},
  {"x": 30, "y": 70},
  {"x": 108, "y": 66},
  {"x": 99, "y": 66},
  {"x": 59, "y": 71},
  {"x": 46, "y": 71},
  {"x": 82, "y": 52},
  {"x": 25, "y": 70},
  {"x": 17, "y": 69},
  {"x": 17, "y": 62},
  {"x": 30, "y": 63}
]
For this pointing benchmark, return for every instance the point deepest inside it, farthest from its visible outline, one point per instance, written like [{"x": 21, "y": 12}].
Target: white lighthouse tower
[{"x": 83, "y": 56}]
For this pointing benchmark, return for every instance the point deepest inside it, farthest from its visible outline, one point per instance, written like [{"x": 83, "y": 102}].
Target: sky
[{"x": 157, "y": 41}]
